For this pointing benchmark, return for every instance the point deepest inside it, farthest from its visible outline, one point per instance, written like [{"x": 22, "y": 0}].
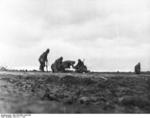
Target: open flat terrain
[{"x": 37, "y": 92}]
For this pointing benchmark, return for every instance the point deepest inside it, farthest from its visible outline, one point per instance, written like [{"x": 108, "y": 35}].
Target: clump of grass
[
  {"x": 77, "y": 80},
  {"x": 135, "y": 101}
]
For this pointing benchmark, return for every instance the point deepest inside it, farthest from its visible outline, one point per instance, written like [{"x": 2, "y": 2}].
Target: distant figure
[
  {"x": 57, "y": 65},
  {"x": 80, "y": 67},
  {"x": 43, "y": 60},
  {"x": 138, "y": 68}
]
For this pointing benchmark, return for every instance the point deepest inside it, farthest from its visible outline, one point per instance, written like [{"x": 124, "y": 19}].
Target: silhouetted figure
[
  {"x": 43, "y": 60},
  {"x": 57, "y": 65},
  {"x": 138, "y": 68},
  {"x": 80, "y": 67},
  {"x": 68, "y": 64}
]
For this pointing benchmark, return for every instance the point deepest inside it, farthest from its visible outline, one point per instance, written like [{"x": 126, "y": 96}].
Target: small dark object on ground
[{"x": 138, "y": 68}]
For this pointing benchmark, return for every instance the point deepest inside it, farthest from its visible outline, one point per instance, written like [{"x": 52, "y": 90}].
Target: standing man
[{"x": 43, "y": 60}]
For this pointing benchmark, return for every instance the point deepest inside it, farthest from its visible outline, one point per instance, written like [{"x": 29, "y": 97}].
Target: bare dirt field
[{"x": 35, "y": 92}]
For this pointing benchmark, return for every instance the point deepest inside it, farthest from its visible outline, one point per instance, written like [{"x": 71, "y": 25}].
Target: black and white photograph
[{"x": 74, "y": 57}]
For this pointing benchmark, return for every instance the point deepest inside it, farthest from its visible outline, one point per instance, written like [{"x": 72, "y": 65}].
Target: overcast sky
[{"x": 110, "y": 35}]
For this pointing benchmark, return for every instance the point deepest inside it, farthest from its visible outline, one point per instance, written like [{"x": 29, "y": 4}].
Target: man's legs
[{"x": 42, "y": 65}]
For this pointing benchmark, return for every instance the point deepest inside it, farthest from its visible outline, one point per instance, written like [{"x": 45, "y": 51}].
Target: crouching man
[
  {"x": 80, "y": 67},
  {"x": 57, "y": 65}
]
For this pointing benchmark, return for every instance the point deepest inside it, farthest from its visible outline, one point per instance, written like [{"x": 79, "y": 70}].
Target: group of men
[{"x": 61, "y": 66}]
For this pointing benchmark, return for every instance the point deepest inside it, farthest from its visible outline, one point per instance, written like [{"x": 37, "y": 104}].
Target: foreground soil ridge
[{"x": 74, "y": 93}]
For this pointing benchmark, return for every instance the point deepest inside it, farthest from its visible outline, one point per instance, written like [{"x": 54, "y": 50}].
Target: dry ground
[{"x": 35, "y": 92}]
